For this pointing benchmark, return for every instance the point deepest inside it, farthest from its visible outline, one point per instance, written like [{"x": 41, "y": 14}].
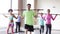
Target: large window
[{"x": 5, "y": 5}]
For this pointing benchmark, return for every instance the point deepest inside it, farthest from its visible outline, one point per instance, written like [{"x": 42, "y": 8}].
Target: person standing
[
  {"x": 28, "y": 18},
  {"x": 11, "y": 21},
  {"x": 48, "y": 18},
  {"x": 41, "y": 22},
  {"x": 18, "y": 23}
]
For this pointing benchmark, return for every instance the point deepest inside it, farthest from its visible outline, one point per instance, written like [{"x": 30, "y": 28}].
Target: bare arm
[
  {"x": 35, "y": 14},
  {"x": 5, "y": 16},
  {"x": 43, "y": 18},
  {"x": 54, "y": 17},
  {"x": 14, "y": 16},
  {"x": 21, "y": 17}
]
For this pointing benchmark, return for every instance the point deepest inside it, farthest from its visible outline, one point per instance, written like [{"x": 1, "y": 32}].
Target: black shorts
[{"x": 29, "y": 27}]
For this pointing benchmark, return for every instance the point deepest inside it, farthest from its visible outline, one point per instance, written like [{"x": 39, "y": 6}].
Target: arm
[
  {"x": 5, "y": 16},
  {"x": 54, "y": 17},
  {"x": 14, "y": 16},
  {"x": 35, "y": 14},
  {"x": 22, "y": 17},
  {"x": 44, "y": 18},
  {"x": 35, "y": 21}
]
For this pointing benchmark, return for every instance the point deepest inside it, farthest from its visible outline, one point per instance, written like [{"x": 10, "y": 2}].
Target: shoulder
[
  {"x": 50, "y": 14},
  {"x": 44, "y": 16},
  {"x": 25, "y": 11},
  {"x": 12, "y": 14}
]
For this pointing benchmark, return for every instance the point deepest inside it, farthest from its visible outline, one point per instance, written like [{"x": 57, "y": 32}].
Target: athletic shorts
[
  {"x": 11, "y": 24},
  {"x": 29, "y": 27}
]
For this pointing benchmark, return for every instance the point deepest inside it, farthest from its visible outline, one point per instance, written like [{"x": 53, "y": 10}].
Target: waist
[
  {"x": 11, "y": 21},
  {"x": 18, "y": 20},
  {"x": 48, "y": 22}
]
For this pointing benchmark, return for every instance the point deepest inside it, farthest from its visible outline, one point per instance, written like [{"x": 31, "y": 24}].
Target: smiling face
[{"x": 29, "y": 6}]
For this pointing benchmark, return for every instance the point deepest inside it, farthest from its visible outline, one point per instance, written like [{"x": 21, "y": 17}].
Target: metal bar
[
  {"x": 7, "y": 13},
  {"x": 26, "y": 9},
  {"x": 46, "y": 13}
]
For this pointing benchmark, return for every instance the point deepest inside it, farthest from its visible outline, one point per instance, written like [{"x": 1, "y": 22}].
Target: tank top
[
  {"x": 10, "y": 17},
  {"x": 41, "y": 21}
]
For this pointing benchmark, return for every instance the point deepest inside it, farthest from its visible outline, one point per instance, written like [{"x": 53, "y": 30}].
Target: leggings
[
  {"x": 42, "y": 29},
  {"x": 18, "y": 26},
  {"x": 48, "y": 28}
]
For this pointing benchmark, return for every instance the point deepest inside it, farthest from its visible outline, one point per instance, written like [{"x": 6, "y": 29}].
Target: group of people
[
  {"x": 47, "y": 18},
  {"x": 11, "y": 21},
  {"x": 28, "y": 16}
]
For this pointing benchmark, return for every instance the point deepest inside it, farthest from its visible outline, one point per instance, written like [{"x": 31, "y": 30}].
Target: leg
[
  {"x": 26, "y": 27},
  {"x": 19, "y": 27},
  {"x": 46, "y": 29},
  {"x": 42, "y": 29},
  {"x": 16, "y": 27},
  {"x": 12, "y": 30},
  {"x": 50, "y": 29},
  {"x": 8, "y": 28},
  {"x": 30, "y": 32},
  {"x": 26, "y": 32},
  {"x": 31, "y": 29}
]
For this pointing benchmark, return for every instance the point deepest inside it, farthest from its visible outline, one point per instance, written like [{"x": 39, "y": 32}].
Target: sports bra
[{"x": 11, "y": 17}]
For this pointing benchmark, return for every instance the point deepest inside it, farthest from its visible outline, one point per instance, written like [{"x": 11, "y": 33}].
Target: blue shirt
[
  {"x": 41, "y": 21},
  {"x": 18, "y": 19}
]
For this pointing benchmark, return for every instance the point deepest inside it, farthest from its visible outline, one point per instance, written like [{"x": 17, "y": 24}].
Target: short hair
[
  {"x": 48, "y": 9},
  {"x": 10, "y": 10},
  {"x": 29, "y": 4}
]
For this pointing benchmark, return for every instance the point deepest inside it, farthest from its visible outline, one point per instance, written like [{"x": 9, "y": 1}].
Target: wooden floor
[{"x": 35, "y": 32}]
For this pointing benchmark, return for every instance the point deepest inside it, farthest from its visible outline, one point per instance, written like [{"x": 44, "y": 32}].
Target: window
[{"x": 5, "y": 5}]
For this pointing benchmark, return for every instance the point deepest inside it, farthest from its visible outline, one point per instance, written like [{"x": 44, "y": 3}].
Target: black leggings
[
  {"x": 48, "y": 28},
  {"x": 18, "y": 26},
  {"x": 42, "y": 29}
]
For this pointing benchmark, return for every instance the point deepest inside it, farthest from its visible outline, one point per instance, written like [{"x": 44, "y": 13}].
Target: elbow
[
  {"x": 53, "y": 19},
  {"x": 15, "y": 17}
]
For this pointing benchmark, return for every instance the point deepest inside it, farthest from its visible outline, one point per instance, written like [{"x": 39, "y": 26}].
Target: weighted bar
[{"x": 46, "y": 13}]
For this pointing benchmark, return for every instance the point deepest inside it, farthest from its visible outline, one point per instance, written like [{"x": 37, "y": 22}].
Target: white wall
[
  {"x": 54, "y": 5},
  {"x": 25, "y": 2},
  {"x": 4, "y": 6}
]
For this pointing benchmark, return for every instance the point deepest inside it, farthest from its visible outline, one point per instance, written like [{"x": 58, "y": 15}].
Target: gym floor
[{"x": 3, "y": 31}]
